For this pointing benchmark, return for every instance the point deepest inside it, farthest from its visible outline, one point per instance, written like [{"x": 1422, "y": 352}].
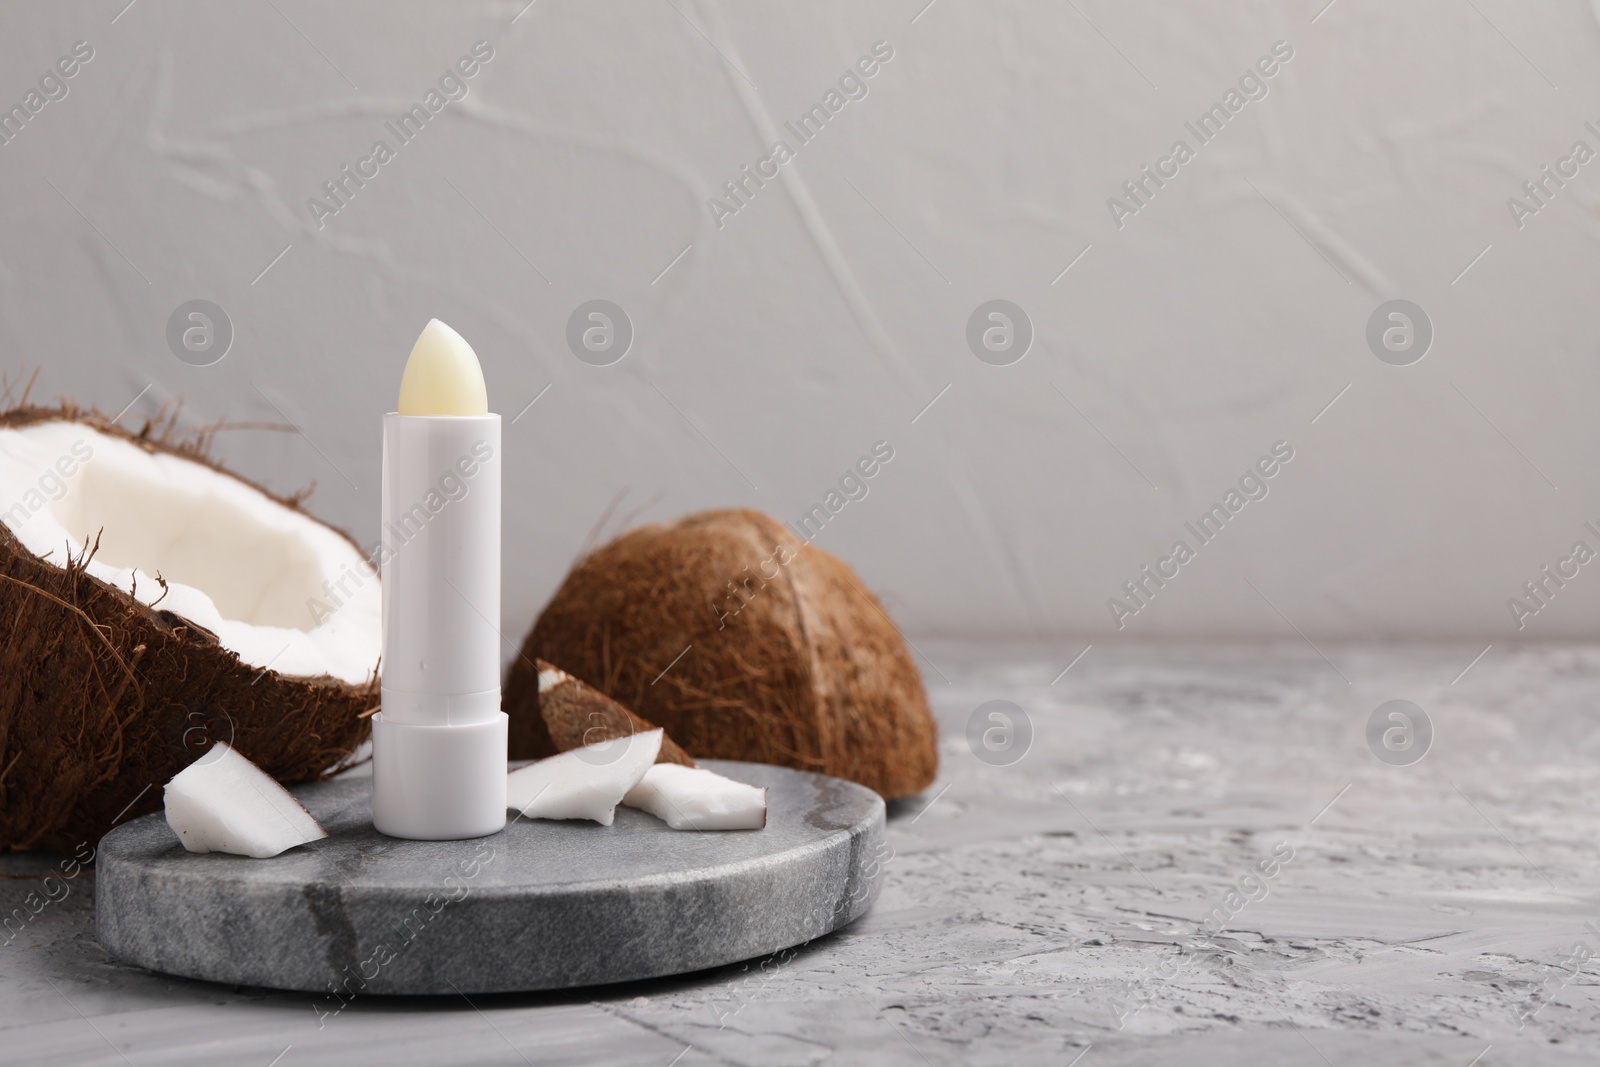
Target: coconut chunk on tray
[
  {"x": 224, "y": 803},
  {"x": 693, "y": 798},
  {"x": 583, "y": 783}
]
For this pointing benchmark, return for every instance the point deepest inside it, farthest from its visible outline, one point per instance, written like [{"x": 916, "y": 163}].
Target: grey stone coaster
[{"x": 541, "y": 905}]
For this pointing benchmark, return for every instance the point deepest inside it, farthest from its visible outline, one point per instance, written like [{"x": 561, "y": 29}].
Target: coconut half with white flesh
[
  {"x": 583, "y": 783},
  {"x": 152, "y": 603},
  {"x": 224, "y": 803},
  {"x": 693, "y": 798}
]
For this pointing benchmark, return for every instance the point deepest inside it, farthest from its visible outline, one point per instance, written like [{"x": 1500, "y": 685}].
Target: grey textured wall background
[{"x": 772, "y": 351}]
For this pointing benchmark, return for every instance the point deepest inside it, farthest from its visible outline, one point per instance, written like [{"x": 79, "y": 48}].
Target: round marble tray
[{"x": 540, "y": 905}]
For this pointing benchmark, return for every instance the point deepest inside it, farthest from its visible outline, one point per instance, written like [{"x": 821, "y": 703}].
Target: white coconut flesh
[
  {"x": 583, "y": 783},
  {"x": 693, "y": 798},
  {"x": 277, "y": 587},
  {"x": 224, "y": 803}
]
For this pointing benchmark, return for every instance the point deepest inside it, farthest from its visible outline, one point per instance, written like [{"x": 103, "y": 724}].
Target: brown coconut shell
[
  {"x": 576, "y": 714},
  {"x": 789, "y": 659},
  {"x": 103, "y": 698}
]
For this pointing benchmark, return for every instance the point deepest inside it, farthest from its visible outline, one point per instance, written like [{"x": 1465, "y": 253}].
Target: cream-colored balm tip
[{"x": 443, "y": 376}]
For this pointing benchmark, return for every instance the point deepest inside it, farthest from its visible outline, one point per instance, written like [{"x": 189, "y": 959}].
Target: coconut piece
[
  {"x": 151, "y": 604},
  {"x": 576, "y": 715},
  {"x": 693, "y": 798},
  {"x": 224, "y": 803},
  {"x": 790, "y": 660},
  {"x": 584, "y": 783}
]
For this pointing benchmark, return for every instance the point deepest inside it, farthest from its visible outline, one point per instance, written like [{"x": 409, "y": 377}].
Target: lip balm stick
[{"x": 439, "y": 744}]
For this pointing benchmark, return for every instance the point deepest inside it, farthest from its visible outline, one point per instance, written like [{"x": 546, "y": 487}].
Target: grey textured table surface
[{"x": 1051, "y": 909}]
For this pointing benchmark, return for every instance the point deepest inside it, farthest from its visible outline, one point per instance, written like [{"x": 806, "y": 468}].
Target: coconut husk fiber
[
  {"x": 789, "y": 659},
  {"x": 576, "y": 714},
  {"x": 103, "y": 698}
]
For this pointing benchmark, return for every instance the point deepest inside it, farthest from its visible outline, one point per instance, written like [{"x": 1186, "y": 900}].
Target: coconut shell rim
[{"x": 195, "y": 451}]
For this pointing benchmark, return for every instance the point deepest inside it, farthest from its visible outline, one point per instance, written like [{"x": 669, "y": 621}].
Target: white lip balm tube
[{"x": 439, "y": 742}]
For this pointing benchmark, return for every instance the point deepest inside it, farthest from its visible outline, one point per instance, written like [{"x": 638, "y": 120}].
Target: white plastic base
[{"x": 439, "y": 783}]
